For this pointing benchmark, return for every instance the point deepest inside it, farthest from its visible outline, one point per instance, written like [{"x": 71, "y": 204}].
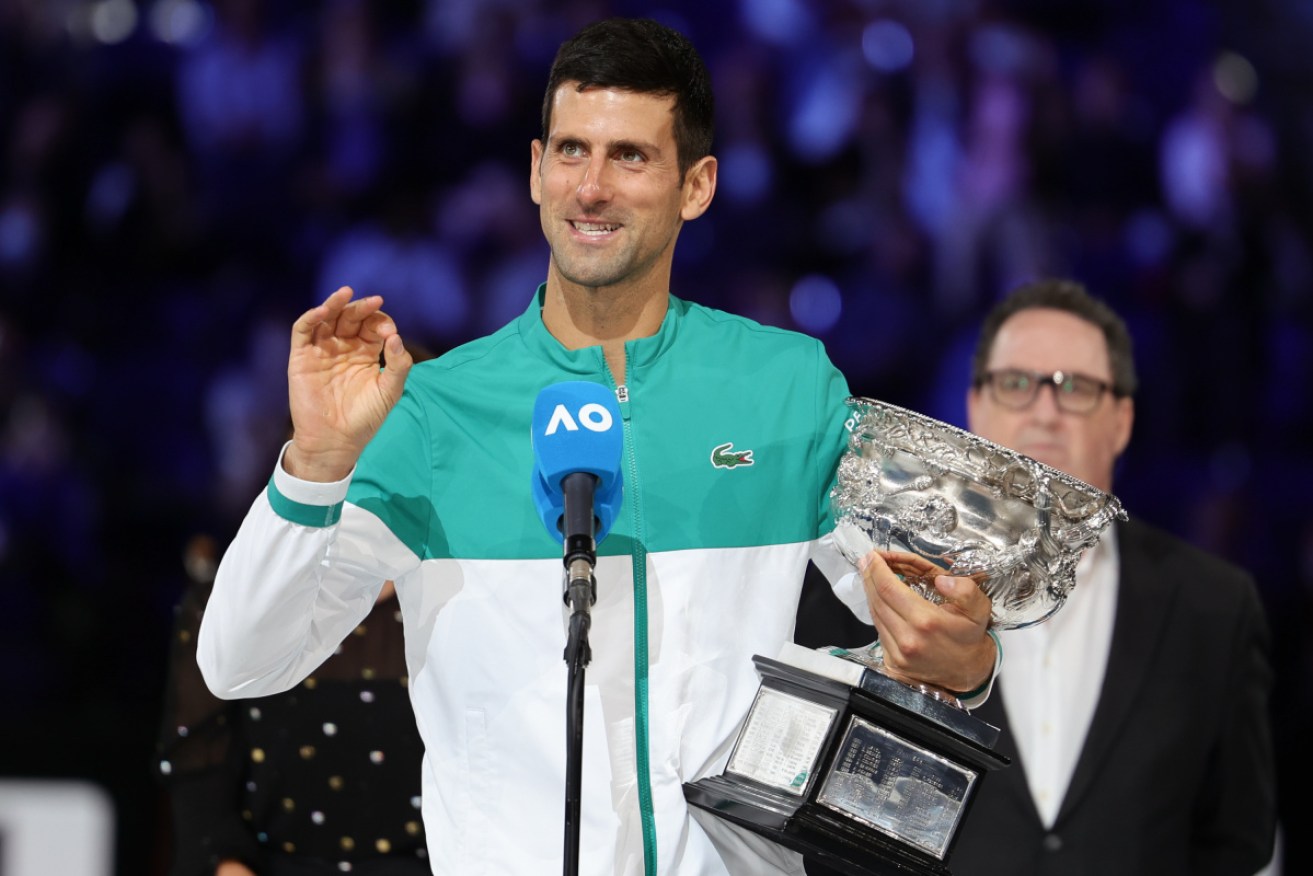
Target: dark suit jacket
[{"x": 1177, "y": 774}]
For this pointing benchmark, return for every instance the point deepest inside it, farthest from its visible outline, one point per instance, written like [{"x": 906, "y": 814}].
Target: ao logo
[{"x": 594, "y": 417}]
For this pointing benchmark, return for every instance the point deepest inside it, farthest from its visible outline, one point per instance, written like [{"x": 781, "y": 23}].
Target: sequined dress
[{"x": 324, "y": 778}]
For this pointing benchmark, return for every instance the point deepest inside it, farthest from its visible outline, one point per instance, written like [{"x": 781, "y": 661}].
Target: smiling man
[
  {"x": 1137, "y": 716},
  {"x": 422, "y": 476},
  {"x": 613, "y": 191}
]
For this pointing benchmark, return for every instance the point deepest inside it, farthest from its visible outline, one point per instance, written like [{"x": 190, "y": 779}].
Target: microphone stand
[{"x": 580, "y": 592}]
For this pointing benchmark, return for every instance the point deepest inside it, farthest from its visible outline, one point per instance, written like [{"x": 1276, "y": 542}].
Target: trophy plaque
[{"x": 865, "y": 774}]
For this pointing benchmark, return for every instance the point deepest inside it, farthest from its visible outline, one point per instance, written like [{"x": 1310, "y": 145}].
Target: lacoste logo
[{"x": 725, "y": 456}]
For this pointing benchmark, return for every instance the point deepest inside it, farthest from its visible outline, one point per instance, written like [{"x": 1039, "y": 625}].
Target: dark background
[{"x": 179, "y": 180}]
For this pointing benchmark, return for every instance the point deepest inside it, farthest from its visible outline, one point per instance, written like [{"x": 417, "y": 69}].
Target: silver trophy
[
  {"x": 964, "y": 506},
  {"x": 840, "y": 761}
]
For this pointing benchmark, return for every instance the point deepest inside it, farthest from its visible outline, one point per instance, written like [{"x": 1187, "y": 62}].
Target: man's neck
[{"x": 581, "y": 317}]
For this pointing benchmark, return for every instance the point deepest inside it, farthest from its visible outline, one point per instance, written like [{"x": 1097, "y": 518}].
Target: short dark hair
[
  {"x": 645, "y": 57},
  {"x": 1071, "y": 297}
]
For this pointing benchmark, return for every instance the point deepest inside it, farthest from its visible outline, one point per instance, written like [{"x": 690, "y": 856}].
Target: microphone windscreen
[{"x": 577, "y": 428}]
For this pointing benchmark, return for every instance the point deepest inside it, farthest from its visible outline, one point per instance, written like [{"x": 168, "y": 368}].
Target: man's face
[
  {"x": 1084, "y": 445},
  {"x": 608, "y": 188}
]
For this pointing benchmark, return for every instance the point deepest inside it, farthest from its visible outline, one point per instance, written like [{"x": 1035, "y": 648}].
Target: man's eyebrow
[
  {"x": 635, "y": 145},
  {"x": 622, "y": 145}
]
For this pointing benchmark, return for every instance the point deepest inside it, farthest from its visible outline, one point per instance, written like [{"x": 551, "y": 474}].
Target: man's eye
[
  {"x": 571, "y": 150},
  {"x": 1080, "y": 386},
  {"x": 630, "y": 155}
]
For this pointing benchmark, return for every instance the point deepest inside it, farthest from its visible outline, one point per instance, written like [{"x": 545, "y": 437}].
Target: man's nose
[
  {"x": 1045, "y": 403},
  {"x": 595, "y": 184}
]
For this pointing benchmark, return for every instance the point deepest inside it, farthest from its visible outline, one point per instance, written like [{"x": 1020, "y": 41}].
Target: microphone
[{"x": 577, "y": 486}]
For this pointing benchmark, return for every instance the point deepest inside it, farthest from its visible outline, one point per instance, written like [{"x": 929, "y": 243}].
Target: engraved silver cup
[{"x": 970, "y": 507}]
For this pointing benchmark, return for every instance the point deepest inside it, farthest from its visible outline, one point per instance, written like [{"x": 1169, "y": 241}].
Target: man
[
  {"x": 1137, "y": 716},
  {"x": 430, "y": 488}
]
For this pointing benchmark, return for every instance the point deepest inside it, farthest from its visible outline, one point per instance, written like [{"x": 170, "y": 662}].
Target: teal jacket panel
[{"x": 733, "y": 434}]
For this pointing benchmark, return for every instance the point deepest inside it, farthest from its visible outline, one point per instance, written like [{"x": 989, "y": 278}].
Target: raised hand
[
  {"x": 945, "y": 644},
  {"x": 339, "y": 395}
]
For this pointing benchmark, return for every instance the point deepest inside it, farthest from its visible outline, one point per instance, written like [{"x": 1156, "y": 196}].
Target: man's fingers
[
  {"x": 890, "y": 602},
  {"x": 340, "y": 316},
  {"x": 305, "y": 327},
  {"x": 885, "y": 588},
  {"x": 375, "y": 328},
  {"x": 904, "y": 564},
  {"x": 965, "y": 596},
  {"x": 885, "y": 569},
  {"x": 396, "y": 365},
  {"x": 359, "y": 315}
]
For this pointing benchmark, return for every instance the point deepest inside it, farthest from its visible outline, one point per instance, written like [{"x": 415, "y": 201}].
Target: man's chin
[{"x": 590, "y": 276}]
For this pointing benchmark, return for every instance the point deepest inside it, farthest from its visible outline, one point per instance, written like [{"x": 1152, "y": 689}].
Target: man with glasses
[{"x": 1137, "y": 716}]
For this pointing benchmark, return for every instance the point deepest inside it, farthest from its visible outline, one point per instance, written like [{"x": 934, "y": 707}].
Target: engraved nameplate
[
  {"x": 781, "y": 740},
  {"x": 896, "y": 787}
]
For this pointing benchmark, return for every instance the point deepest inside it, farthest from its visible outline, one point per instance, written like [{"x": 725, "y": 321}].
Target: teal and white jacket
[{"x": 732, "y": 435}]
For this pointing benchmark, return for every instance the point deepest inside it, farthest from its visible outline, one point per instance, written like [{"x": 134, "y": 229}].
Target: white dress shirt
[{"x": 1054, "y": 674}]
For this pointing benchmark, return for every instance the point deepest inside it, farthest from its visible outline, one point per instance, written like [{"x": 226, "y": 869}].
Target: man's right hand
[{"x": 339, "y": 395}]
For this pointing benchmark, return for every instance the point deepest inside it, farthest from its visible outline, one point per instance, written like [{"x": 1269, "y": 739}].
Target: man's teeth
[{"x": 594, "y": 227}]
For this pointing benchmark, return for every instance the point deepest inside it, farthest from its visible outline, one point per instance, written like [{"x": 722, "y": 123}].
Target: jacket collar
[{"x": 640, "y": 353}]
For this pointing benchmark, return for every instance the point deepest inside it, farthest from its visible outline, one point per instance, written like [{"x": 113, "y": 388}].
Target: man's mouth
[{"x": 594, "y": 228}]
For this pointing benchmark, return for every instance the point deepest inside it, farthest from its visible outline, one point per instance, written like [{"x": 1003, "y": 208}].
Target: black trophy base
[
  {"x": 811, "y": 832},
  {"x": 882, "y": 739}
]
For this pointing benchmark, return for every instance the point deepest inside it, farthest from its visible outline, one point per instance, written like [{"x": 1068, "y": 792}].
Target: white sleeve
[
  {"x": 843, "y": 577},
  {"x": 302, "y": 572}
]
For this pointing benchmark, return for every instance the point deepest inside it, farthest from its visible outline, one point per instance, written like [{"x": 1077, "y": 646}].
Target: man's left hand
[{"x": 944, "y": 645}]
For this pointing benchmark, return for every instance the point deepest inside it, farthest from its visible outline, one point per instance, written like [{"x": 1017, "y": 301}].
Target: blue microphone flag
[{"x": 577, "y": 429}]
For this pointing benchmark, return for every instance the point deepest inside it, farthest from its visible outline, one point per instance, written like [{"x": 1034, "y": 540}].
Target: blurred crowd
[{"x": 179, "y": 179}]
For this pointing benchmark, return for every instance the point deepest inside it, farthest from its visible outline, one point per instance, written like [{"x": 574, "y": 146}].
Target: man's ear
[
  {"x": 535, "y": 171},
  {"x": 699, "y": 188},
  {"x": 1125, "y": 423}
]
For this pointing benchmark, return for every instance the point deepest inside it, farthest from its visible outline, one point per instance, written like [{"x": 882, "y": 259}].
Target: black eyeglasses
[{"x": 1073, "y": 393}]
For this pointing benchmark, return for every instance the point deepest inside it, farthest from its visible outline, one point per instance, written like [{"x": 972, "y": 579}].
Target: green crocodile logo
[{"x": 725, "y": 456}]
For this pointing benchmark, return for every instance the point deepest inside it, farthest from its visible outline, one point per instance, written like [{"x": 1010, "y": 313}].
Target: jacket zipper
[{"x": 641, "y": 711}]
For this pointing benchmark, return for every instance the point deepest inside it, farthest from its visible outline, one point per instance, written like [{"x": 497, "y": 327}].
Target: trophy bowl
[{"x": 970, "y": 507}]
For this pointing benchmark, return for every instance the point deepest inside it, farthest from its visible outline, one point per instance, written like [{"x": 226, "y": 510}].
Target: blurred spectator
[
  {"x": 239, "y": 91},
  {"x": 394, "y": 253},
  {"x": 1211, "y": 145},
  {"x": 322, "y": 779},
  {"x": 999, "y": 234},
  {"x": 243, "y": 106},
  {"x": 500, "y": 245},
  {"x": 38, "y": 182},
  {"x": 246, "y": 414},
  {"x": 140, "y": 206}
]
